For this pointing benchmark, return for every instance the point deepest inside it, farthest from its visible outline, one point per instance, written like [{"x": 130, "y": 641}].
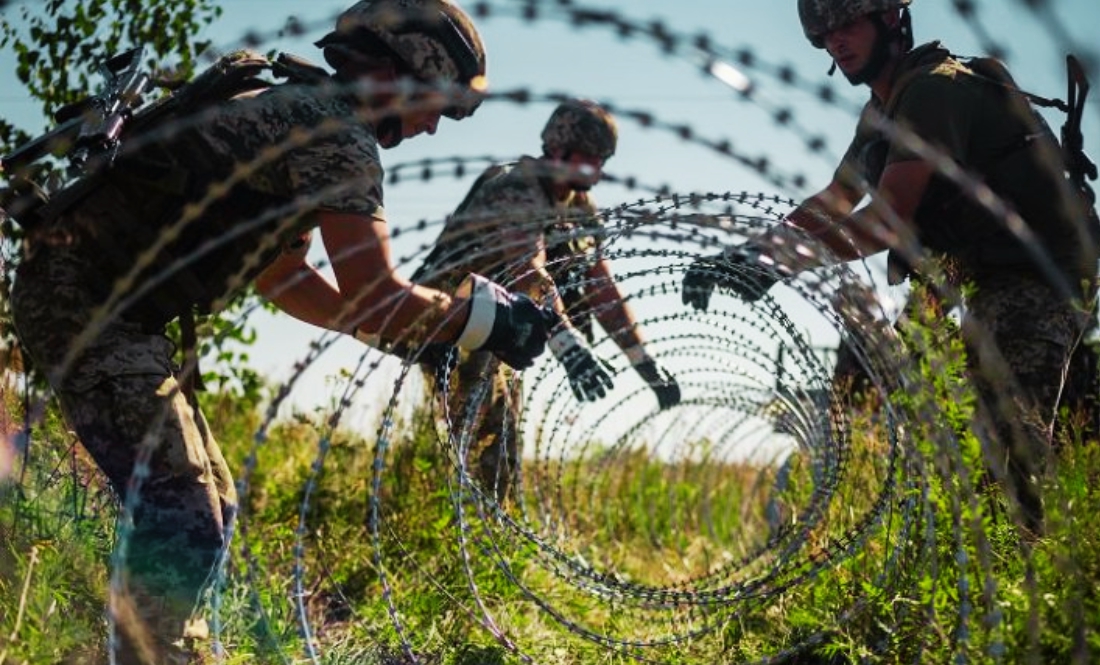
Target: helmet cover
[
  {"x": 580, "y": 125},
  {"x": 435, "y": 39},
  {"x": 820, "y": 17}
]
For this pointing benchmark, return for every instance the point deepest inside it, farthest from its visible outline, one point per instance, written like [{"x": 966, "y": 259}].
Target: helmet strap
[{"x": 905, "y": 29}]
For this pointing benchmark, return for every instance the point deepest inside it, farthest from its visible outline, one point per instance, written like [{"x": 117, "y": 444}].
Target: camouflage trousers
[
  {"x": 484, "y": 402},
  {"x": 1023, "y": 347},
  {"x": 122, "y": 398}
]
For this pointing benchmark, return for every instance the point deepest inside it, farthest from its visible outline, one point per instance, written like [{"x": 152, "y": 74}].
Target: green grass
[{"x": 896, "y": 598}]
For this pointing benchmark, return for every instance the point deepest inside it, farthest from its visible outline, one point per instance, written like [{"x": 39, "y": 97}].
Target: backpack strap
[
  {"x": 190, "y": 373},
  {"x": 231, "y": 75},
  {"x": 993, "y": 71},
  {"x": 297, "y": 69}
]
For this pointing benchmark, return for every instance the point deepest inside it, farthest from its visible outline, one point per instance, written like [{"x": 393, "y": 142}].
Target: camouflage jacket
[
  {"x": 509, "y": 214},
  {"x": 230, "y": 185}
]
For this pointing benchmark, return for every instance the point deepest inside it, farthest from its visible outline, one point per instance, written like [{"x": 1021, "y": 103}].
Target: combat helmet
[
  {"x": 820, "y": 17},
  {"x": 580, "y": 125},
  {"x": 435, "y": 39}
]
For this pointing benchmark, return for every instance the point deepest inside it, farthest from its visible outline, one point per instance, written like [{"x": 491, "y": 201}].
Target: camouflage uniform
[
  {"x": 121, "y": 393},
  {"x": 509, "y": 214},
  {"x": 1015, "y": 318}
]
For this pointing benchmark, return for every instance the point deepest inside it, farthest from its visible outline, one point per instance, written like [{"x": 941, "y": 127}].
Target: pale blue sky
[{"x": 549, "y": 56}]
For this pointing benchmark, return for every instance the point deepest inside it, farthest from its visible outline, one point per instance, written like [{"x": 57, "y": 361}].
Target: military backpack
[{"x": 149, "y": 185}]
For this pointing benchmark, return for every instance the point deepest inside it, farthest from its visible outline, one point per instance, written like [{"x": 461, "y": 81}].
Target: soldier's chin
[
  {"x": 388, "y": 132},
  {"x": 580, "y": 185}
]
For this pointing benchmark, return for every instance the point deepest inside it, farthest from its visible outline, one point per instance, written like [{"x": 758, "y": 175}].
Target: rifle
[
  {"x": 1081, "y": 169},
  {"x": 90, "y": 129},
  {"x": 88, "y": 134}
]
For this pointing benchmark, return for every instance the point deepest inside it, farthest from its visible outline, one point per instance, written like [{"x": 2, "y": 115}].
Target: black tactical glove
[
  {"x": 587, "y": 377},
  {"x": 510, "y": 325},
  {"x": 739, "y": 269},
  {"x": 664, "y": 385}
]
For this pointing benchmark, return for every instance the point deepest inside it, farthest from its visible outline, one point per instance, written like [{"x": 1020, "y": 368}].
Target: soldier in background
[{"x": 533, "y": 225}]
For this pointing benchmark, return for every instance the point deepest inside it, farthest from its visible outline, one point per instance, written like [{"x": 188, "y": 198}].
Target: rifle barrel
[{"x": 55, "y": 142}]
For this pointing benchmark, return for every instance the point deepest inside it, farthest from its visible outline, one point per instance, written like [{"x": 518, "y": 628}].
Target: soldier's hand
[
  {"x": 739, "y": 269},
  {"x": 663, "y": 384},
  {"x": 587, "y": 376},
  {"x": 512, "y": 326}
]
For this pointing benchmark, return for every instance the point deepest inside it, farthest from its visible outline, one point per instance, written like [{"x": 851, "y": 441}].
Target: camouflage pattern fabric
[
  {"x": 580, "y": 126},
  {"x": 428, "y": 57},
  {"x": 331, "y": 158},
  {"x": 504, "y": 220},
  {"x": 573, "y": 239},
  {"x": 1021, "y": 338},
  {"x": 1034, "y": 330},
  {"x": 294, "y": 149},
  {"x": 122, "y": 395},
  {"x": 573, "y": 248},
  {"x": 820, "y": 17},
  {"x": 495, "y": 232},
  {"x": 491, "y": 412}
]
